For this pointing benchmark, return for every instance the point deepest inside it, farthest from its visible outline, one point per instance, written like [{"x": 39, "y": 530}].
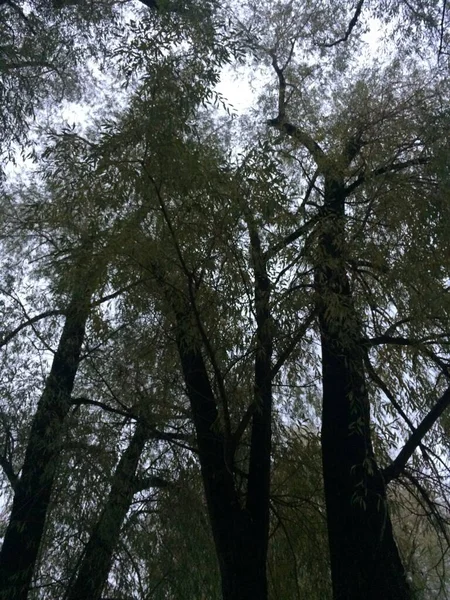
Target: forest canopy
[{"x": 225, "y": 338}]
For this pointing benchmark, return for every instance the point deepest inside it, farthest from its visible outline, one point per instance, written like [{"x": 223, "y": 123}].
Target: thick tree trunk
[
  {"x": 365, "y": 563},
  {"x": 243, "y": 564},
  {"x": 97, "y": 556},
  {"x": 32, "y": 495}
]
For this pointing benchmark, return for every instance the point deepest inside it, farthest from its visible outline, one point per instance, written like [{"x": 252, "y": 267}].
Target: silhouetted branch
[
  {"x": 398, "y": 465},
  {"x": 350, "y": 27}
]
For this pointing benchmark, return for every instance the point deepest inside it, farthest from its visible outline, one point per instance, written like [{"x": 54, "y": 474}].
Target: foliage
[{"x": 169, "y": 210}]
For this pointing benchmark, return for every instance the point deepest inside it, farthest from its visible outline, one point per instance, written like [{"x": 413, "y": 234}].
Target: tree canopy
[{"x": 225, "y": 338}]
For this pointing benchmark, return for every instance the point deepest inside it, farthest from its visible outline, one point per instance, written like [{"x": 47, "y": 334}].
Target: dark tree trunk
[
  {"x": 240, "y": 527},
  {"x": 365, "y": 562},
  {"x": 97, "y": 556},
  {"x": 241, "y": 556},
  {"x": 32, "y": 494}
]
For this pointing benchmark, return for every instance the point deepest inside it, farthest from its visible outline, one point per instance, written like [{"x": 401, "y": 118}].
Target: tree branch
[
  {"x": 7, "y": 337},
  {"x": 242, "y": 426},
  {"x": 349, "y": 30},
  {"x": 280, "y": 121},
  {"x": 380, "y": 383},
  {"x": 442, "y": 29},
  {"x": 284, "y": 355},
  {"x": 419, "y": 344},
  {"x": 397, "y": 466},
  {"x": 393, "y": 167},
  {"x": 82, "y": 401},
  {"x": 301, "y": 136},
  {"x": 7, "y": 467},
  {"x": 144, "y": 483},
  {"x": 434, "y": 511}
]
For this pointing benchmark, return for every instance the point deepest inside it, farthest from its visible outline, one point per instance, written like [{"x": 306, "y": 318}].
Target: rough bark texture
[
  {"x": 97, "y": 556},
  {"x": 32, "y": 494},
  {"x": 365, "y": 563}
]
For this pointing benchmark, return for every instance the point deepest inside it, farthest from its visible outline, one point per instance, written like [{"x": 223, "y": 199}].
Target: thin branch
[
  {"x": 292, "y": 237},
  {"x": 291, "y": 547},
  {"x": 30, "y": 321},
  {"x": 350, "y": 27},
  {"x": 280, "y": 121},
  {"x": 166, "y": 436},
  {"x": 242, "y": 426},
  {"x": 82, "y": 401},
  {"x": 118, "y": 292},
  {"x": 380, "y": 383},
  {"x": 7, "y": 467},
  {"x": 431, "y": 505},
  {"x": 399, "y": 463},
  {"x": 284, "y": 355},
  {"x": 393, "y": 167},
  {"x": 144, "y": 483},
  {"x": 442, "y": 29},
  {"x": 403, "y": 341}
]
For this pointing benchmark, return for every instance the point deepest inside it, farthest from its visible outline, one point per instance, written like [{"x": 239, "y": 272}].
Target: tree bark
[
  {"x": 97, "y": 555},
  {"x": 240, "y": 527},
  {"x": 242, "y": 560},
  {"x": 365, "y": 562},
  {"x": 25, "y": 529}
]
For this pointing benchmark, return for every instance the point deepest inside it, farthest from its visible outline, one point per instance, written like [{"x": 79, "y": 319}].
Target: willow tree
[
  {"x": 326, "y": 226},
  {"x": 364, "y": 147},
  {"x": 46, "y": 44}
]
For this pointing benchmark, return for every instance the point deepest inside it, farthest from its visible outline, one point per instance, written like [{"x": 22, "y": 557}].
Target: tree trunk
[
  {"x": 240, "y": 532},
  {"x": 241, "y": 557},
  {"x": 365, "y": 562},
  {"x": 242, "y": 562},
  {"x": 32, "y": 495},
  {"x": 97, "y": 556}
]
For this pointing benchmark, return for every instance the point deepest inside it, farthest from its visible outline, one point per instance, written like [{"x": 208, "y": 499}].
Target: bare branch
[
  {"x": 118, "y": 292},
  {"x": 350, "y": 27},
  {"x": 8, "y": 470},
  {"x": 284, "y": 355},
  {"x": 280, "y": 121},
  {"x": 387, "y": 392},
  {"x": 30, "y": 321},
  {"x": 442, "y": 28},
  {"x": 82, "y": 401},
  {"x": 299, "y": 232},
  {"x": 144, "y": 483},
  {"x": 419, "y": 344},
  {"x": 399, "y": 463},
  {"x": 392, "y": 167},
  {"x": 442, "y": 525},
  {"x": 301, "y": 136},
  {"x": 242, "y": 426},
  {"x": 154, "y": 433}
]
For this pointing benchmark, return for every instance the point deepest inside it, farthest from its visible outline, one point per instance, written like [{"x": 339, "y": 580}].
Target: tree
[
  {"x": 325, "y": 225},
  {"x": 362, "y": 547}
]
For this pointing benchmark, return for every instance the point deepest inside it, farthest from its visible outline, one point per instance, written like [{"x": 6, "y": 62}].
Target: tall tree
[
  {"x": 364, "y": 558},
  {"x": 326, "y": 228},
  {"x": 34, "y": 486}
]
